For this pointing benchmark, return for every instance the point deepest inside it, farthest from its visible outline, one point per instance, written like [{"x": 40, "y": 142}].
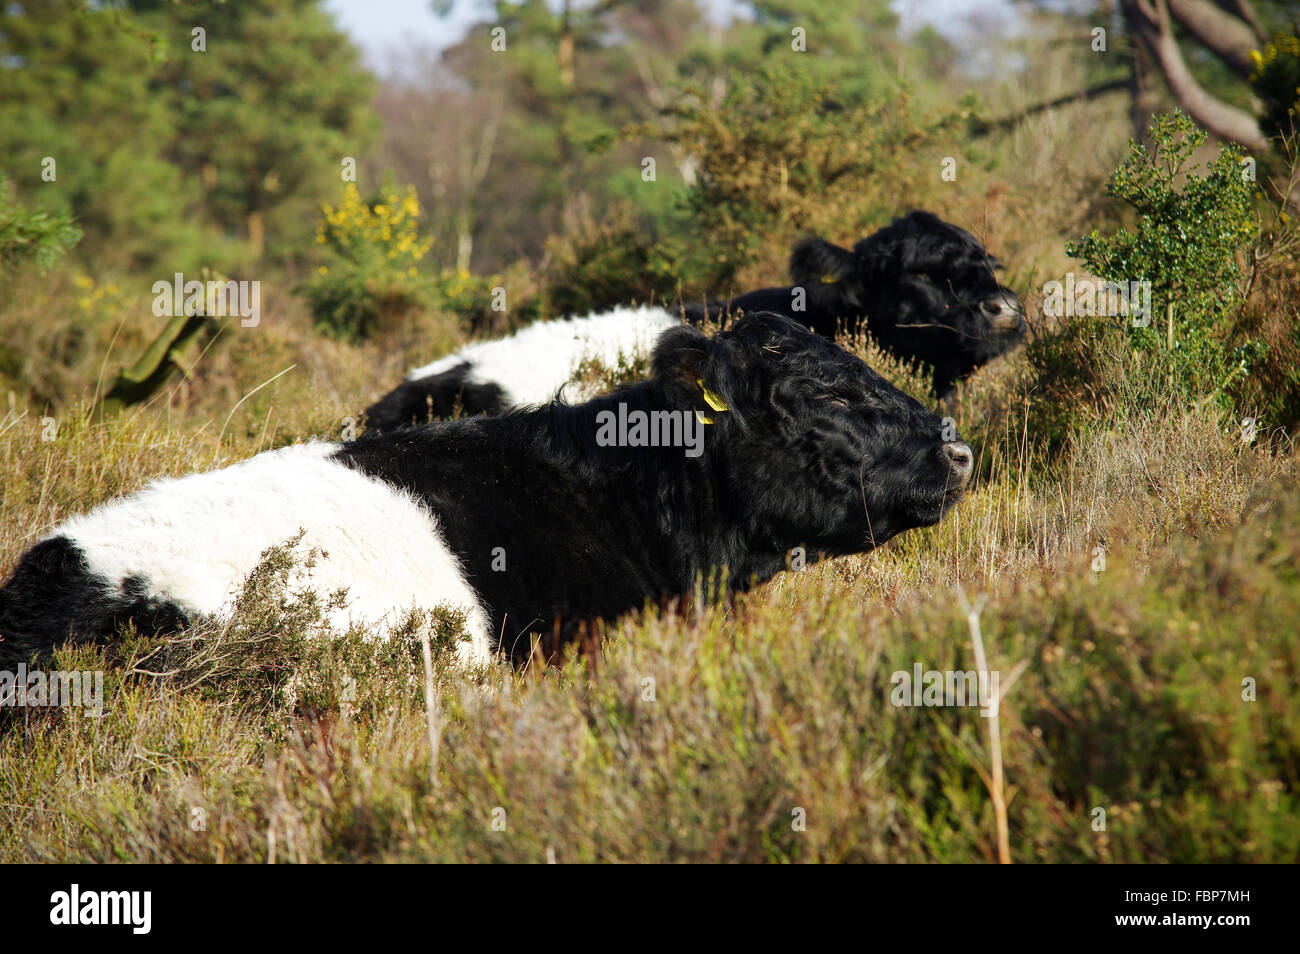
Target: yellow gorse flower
[
  {"x": 389, "y": 230},
  {"x": 1281, "y": 46}
]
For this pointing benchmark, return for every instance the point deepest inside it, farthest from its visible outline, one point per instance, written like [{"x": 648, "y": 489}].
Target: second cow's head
[{"x": 928, "y": 290}]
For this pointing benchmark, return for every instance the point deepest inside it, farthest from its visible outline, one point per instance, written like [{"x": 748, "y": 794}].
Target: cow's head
[
  {"x": 813, "y": 447},
  {"x": 927, "y": 289}
]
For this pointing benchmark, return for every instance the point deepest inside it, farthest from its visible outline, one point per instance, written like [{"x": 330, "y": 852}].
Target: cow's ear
[
  {"x": 690, "y": 368},
  {"x": 816, "y": 262}
]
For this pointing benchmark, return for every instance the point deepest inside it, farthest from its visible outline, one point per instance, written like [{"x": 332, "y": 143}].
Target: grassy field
[
  {"x": 1127, "y": 562},
  {"x": 1137, "y": 588}
]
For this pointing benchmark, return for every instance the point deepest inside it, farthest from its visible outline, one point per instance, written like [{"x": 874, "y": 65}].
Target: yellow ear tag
[
  {"x": 711, "y": 399},
  {"x": 700, "y": 416}
]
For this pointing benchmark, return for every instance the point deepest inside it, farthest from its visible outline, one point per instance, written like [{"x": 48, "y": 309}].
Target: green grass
[{"x": 759, "y": 731}]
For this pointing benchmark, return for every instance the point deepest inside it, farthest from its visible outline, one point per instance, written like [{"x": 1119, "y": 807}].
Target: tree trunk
[
  {"x": 1145, "y": 101},
  {"x": 564, "y": 54}
]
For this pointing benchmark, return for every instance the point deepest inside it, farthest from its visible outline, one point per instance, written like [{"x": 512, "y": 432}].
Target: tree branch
[
  {"x": 1247, "y": 13},
  {"x": 1153, "y": 27},
  {"x": 1229, "y": 38},
  {"x": 1097, "y": 89}
]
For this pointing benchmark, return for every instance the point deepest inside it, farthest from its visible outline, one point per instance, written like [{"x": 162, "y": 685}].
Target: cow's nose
[
  {"x": 960, "y": 459},
  {"x": 1004, "y": 311}
]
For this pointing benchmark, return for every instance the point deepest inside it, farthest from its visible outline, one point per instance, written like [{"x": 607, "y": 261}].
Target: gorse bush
[
  {"x": 615, "y": 261},
  {"x": 1276, "y": 81},
  {"x": 1188, "y": 242},
  {"x": 381, "y": 233},
  {"x": 372, "y": 249},
  {"x": 781, "y": 155},
  {"x": 477, "y": 301},
  {"x": 371, "y": 276}
]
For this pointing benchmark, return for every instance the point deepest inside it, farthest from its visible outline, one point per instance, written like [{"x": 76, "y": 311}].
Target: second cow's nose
[{"x": 1004, "y": 312}]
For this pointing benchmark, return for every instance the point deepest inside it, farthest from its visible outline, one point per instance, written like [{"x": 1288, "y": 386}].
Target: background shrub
[{"x": 1189, "y": 240}]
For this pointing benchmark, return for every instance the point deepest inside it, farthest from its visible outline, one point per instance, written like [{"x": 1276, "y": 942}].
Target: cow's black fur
[
  {"x": 54, "y": 598},
  {"x": 925, "y": 289},
  {"x": 434, "y": 397}
]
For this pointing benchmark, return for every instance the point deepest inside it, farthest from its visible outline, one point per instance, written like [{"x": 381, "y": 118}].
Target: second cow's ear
[{"x": 816, "y": 262}]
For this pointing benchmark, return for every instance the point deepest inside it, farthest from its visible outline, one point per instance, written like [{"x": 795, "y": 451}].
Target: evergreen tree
[
  {"x": 269, "y": 98},
  {"x": 81, "y": 135}
]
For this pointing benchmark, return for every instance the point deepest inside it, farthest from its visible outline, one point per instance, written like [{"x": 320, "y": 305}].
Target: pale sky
[{"x": 384, "y": 28}]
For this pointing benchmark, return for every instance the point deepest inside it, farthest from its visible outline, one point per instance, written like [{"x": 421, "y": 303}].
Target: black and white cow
[
  {"x": 738, "y": 449},
  {"x": 925, "y": 289}
]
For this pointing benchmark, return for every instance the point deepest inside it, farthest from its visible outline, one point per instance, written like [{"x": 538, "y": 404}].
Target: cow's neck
[{"x": 680, "y": 501}]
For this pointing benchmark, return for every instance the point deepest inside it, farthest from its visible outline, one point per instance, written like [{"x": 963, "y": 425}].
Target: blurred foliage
[
  {"x": 1270, "y": 393},
  {"x": 611, "y": 262},
  {"x": 265, "y": 114},
  {"x": 555, "y": 97},
  {"x": 83, "y": 134},
  {"x": 36, "y": 237},
  {"x": 169, "y": 156},
  {"x": 783, "y": 154},
  {"x": 581, "y": 97}
]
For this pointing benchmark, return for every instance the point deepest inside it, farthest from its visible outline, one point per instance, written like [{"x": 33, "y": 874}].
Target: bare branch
[
  {"x": 1247, "y": 13},
  {"x": 1229, "y": 38},
  {"x": 1153, "y": 26},
  {"x": 1088, "y": 92}
]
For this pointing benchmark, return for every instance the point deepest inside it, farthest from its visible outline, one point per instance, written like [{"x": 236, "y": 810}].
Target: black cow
[{"x": 925, "y": 290}]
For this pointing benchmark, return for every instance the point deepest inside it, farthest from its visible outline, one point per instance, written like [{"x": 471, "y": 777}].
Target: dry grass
[
  {"x": 1132, "y": 563},
  {"x": 763, "y": 730},
  {"x": 709, "y": 737}
]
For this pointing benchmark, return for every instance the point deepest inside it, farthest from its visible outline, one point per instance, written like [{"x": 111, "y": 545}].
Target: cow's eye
[{"x": 829, "y": 398}]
